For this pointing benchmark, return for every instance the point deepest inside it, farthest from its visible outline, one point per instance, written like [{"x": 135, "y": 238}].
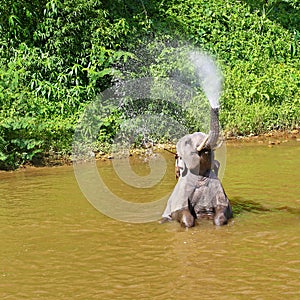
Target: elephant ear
[
  {"x": 183, "y": 145},
  {"x": 187, "y": 149}
]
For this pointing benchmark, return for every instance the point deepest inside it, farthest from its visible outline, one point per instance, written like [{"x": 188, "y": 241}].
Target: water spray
[{"x": 209, "y": 76}]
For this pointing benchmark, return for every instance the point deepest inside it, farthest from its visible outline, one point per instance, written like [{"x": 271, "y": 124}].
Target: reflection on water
[{"x": 55, "y": 245}]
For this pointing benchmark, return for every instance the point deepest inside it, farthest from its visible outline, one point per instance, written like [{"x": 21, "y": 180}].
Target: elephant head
[{"x": 201, "y": 160}]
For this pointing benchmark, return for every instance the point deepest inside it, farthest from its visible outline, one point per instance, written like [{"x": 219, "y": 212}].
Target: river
[{"x": 56, "y": 245}]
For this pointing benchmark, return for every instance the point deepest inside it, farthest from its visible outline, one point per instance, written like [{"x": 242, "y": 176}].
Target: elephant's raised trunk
[
  {"x": 213, "y": 136},
  {"x": 210, "y": 142}
]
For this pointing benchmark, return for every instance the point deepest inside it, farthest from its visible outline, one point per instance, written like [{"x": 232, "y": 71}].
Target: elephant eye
[{"x": 204, "y": 151}]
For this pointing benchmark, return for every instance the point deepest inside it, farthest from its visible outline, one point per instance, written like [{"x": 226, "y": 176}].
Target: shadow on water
[
  {"x": 240, "y": 206},
  {"x": 291, "y": 210}
]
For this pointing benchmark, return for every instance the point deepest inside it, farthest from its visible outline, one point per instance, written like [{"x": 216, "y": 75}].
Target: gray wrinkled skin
[{"x": 198, "y": 192}]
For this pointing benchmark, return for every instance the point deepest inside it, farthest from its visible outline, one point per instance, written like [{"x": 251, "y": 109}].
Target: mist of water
[{"x": 209, "y": 76}]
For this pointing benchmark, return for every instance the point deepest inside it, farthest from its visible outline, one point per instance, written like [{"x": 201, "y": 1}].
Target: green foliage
[
  {"x": 20, "y": 141},
  {"x": 56, "y": 56},
  {"x": 23, "y": 139},
  {"x": 267, "y": 98}
]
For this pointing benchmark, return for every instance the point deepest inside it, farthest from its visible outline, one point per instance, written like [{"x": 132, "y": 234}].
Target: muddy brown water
[{"x": 55, "y": 245}]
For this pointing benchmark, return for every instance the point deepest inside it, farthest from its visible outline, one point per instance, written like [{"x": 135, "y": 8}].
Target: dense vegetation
[{"x": 56, "y": 56}]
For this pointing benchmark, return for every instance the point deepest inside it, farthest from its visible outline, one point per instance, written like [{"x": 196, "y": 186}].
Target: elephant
[{"x": 198, "y": 193}]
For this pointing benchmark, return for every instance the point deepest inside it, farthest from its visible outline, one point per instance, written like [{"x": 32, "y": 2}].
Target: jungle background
[{"x": 56, "y": 56}]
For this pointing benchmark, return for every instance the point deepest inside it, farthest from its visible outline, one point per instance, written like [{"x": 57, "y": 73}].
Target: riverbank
[{"x": 269, "y": 139}]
